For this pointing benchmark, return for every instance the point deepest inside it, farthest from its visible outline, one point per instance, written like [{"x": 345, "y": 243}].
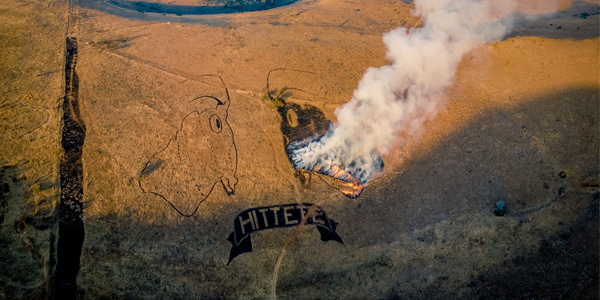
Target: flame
[
  {"x": 337, "y": 171},
  {"x": 352, "y": 187},
  {"x": 353, "y": 173},
  {"x": 354, "y": 190}
]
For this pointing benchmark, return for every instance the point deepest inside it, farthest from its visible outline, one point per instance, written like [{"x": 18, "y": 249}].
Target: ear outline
[
  {"x": 228, "y": 101},
  {"x": 219, "y": 102},
  {"x": 286, "y": 87}
]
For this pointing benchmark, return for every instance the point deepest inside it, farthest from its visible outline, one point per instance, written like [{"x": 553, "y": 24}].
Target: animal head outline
[{"x": 201, "y": 154}]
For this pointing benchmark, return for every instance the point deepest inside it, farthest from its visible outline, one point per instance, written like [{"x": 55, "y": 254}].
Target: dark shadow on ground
[
  {"x": 125, "y": 257},
  {"x": 540, "y": 158},
  {"x": 565, "y": 267},
  {"x": 511, "y": 155},
  {"x": 580, "y": 21},
  {"x": 516, "y": 155}
]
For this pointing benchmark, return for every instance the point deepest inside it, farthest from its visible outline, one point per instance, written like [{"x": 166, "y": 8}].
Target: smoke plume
[{"x": 396, "y": 99}]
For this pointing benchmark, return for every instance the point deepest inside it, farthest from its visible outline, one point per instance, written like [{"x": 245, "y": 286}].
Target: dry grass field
[{"x": 126, "y": 157}]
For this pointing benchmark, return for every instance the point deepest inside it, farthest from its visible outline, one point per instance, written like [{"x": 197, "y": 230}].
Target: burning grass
[
  {"x": 354, "y": 175},
  {"x": 351, "y": 187}
]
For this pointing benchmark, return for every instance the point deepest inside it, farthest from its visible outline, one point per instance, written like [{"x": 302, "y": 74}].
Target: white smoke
[{"x": 396, "y": 99}]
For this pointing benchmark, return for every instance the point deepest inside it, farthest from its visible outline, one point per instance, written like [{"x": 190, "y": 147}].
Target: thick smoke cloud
[{"x": 396, "y": 99}]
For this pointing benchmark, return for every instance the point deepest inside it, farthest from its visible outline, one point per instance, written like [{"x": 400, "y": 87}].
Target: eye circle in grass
[{"x": 215, "y": 123}]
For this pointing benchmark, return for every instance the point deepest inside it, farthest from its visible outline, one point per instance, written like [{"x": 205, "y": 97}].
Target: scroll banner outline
[{"x": 277, "y": 216}]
